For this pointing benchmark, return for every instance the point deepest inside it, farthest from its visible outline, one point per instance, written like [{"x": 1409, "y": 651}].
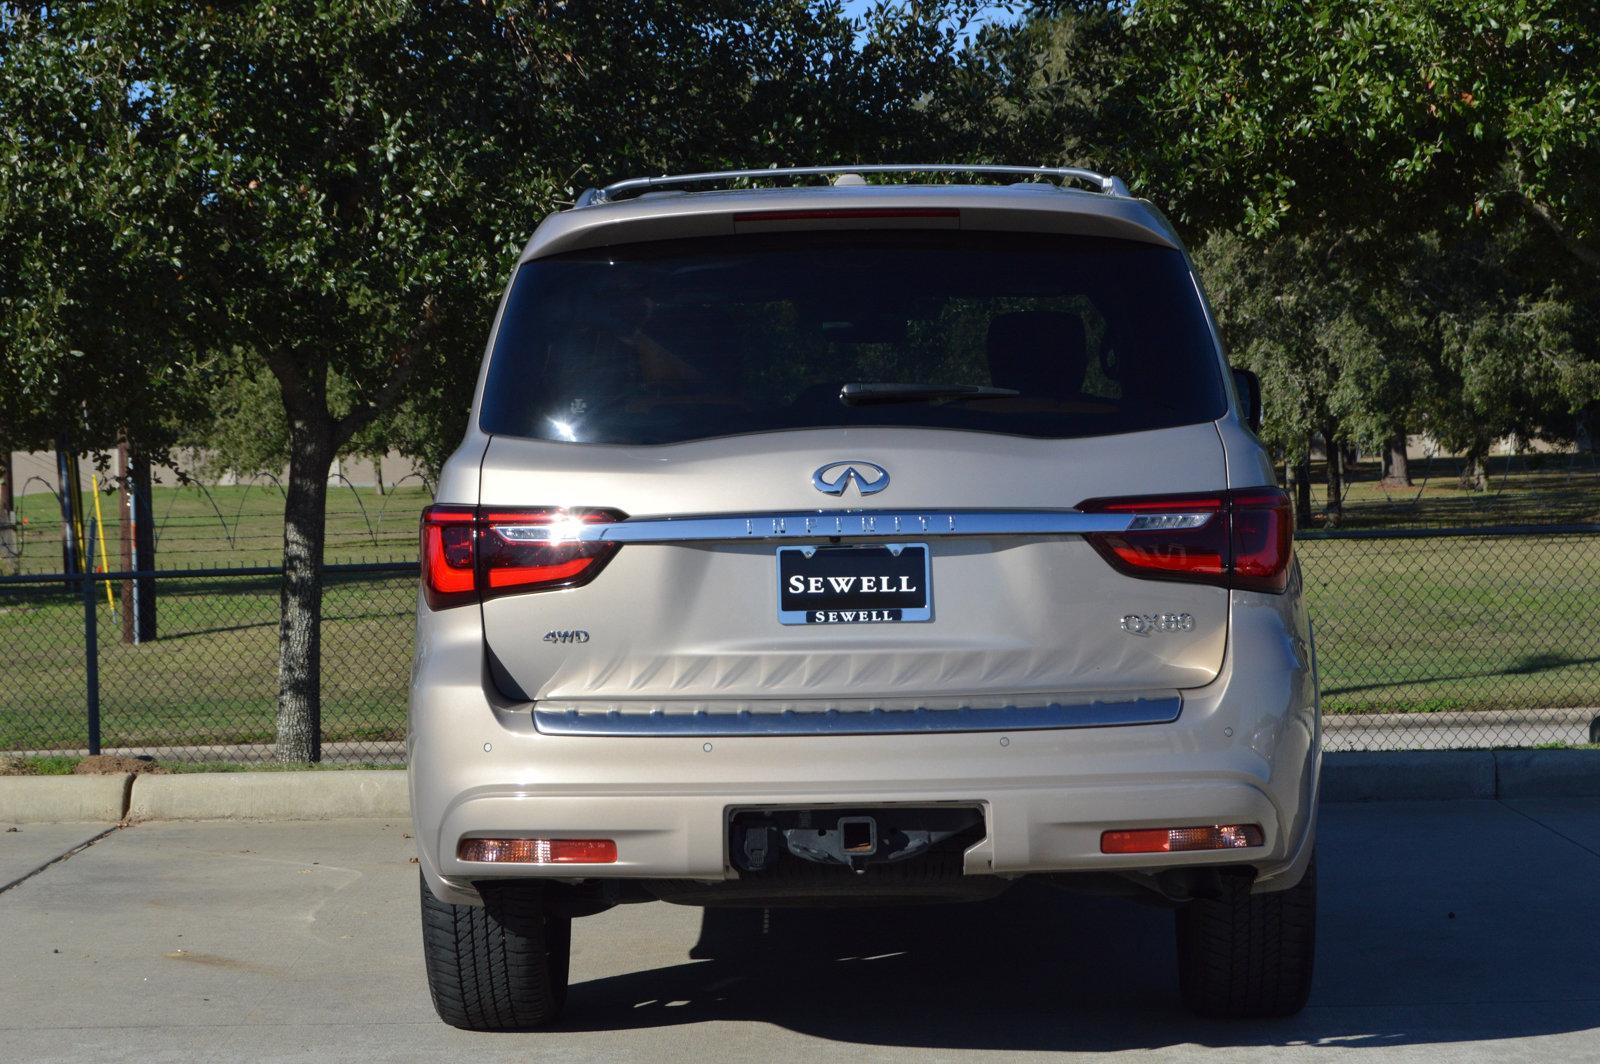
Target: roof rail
[{"x": 1110, "y": 186}]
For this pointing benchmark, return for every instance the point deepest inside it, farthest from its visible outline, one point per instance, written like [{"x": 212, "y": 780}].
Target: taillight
[
  {"x": 469, "y": 554},
  {"x": 448, "y": 573},
  {"x": 1240, "y": 539}
]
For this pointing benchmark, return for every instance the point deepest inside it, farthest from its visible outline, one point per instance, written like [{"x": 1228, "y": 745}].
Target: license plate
[{"x": 855, "y": 585}]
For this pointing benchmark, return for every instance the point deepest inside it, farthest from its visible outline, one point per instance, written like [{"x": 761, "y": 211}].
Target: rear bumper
[{"x": 1245, "y": 749}]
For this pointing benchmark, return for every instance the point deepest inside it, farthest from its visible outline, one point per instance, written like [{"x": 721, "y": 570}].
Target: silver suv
[{"x": 854, "y": 542}]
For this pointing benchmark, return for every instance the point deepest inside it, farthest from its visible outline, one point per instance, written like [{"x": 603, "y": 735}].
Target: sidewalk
[{"x": 1460, "y": 931}]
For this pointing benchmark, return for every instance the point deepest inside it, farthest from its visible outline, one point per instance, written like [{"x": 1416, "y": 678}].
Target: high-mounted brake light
[
  {"x": 1241, "y": 539},
  {"x": 473, "y": 553},
  {"x": 811, "y": 214}
]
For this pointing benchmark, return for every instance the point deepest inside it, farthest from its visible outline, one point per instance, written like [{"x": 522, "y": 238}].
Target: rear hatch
[{"x": 909, "y": 407}]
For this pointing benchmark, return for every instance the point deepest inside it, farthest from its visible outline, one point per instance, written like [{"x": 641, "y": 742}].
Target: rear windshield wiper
[{"x": 860, "y": 393}]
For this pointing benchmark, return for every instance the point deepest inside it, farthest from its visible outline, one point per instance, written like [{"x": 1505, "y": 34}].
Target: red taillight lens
[
  {"x": 1263, "y": 539},
  {"x": 473, "y": 553},
  {"x": 448, "y": 573},
  {"x": 1241, "y": 539},
  {"x": 536, "y": 550}
]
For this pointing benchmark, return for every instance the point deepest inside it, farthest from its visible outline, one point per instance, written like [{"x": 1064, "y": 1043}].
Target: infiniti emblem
[{"x": 833, "y": 478}]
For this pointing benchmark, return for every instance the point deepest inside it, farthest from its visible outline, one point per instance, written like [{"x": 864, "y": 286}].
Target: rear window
[{"x": 1026, "y": 335}]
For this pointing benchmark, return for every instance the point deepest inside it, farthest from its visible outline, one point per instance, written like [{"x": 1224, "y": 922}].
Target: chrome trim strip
[
  {"x": 700, "y": 722},
  {"x": 853, "y": 524},
  {"x": 1105, "y": 183}
]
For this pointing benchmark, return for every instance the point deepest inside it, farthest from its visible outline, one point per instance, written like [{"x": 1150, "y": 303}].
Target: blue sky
[{"x": 998, "y": 12}]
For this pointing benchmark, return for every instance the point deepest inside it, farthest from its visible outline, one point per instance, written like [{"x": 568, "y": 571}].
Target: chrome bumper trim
[{"x": 700, "y": 722}]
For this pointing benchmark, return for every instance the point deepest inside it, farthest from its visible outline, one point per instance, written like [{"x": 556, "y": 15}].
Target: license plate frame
[{"x": 831, "y": 607}]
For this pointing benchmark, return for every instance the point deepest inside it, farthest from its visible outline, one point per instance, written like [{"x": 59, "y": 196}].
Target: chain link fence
[
  {"x": 1448, "y": 639},
  {"x": 1426, "y": 639},
  {"x": 205, "y": 688}
]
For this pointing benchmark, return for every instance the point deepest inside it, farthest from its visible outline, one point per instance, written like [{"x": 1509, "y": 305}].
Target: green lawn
[
  {"x": 1418, "y": 625},
  {"x": 229, "y": 526},
  {"x": 211, "y": 676},
  {"x": 1531, "y": 489}
]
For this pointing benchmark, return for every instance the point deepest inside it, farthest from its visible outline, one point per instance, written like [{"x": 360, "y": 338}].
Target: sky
[{"x": 996, "y": 12}]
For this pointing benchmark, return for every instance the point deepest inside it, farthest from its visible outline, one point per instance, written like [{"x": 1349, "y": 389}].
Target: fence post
[{"x": 91, "y": 649}]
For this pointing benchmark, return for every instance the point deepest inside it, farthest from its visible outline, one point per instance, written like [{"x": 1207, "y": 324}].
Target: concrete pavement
[{"x": 1449, "y": 931}]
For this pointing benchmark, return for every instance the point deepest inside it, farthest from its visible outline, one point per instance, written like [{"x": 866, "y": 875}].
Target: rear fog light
[
  {"x": 538, "y": 851},
  {"x": 1177, "y": 840}
]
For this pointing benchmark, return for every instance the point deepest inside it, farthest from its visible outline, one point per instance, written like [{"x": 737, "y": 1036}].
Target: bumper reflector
[
  {"x": 538, "y": 851},
  {"x": 1176, "y": 840}
]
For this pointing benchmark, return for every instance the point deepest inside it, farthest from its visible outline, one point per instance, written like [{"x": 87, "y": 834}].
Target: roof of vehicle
[{"x": 671, "y": 208}]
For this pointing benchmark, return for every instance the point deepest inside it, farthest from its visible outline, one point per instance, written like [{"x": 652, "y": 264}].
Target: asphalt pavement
[{"x": 1450, "y": 931}]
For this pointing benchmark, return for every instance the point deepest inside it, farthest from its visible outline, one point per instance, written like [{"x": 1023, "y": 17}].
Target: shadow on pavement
[{"x": 1419, "y": 944}]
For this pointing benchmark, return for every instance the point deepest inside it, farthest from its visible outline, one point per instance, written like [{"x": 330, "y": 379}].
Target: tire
[
  {"x": 501, "y": 966},
  {"x": 1249, "y": 956}
]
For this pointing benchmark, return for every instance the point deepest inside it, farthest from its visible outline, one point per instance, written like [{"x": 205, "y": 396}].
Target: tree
[
  {"x": 88, "y": 298},
  {"x": 1423, "y": 111},
  {"x": 359, "y": 176},
  {"x": 352, "y": 190},
  {"x": 1515, "y": 340}
]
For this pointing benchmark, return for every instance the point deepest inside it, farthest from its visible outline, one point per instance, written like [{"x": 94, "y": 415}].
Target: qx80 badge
[{"x": 1151, "y": 623}]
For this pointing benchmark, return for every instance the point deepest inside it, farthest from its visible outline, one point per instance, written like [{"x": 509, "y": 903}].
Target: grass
[
  {"x": 211, "y": 676},
  {"x": 56, "y": 765},
  {"x": 232, "y": 526},
  {"x": 1403, "y": 625},
  {"x": 1465, "y": 623},
  {"x": 1523, "y": 489}
]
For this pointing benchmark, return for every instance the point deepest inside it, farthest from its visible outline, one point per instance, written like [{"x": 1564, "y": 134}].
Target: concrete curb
[
  {"x": 1547, "y": 773},
  {"x": 1368, "y": 776},
  {"x": 48, "y": 799},
  {"x": 326, "y": 795}
]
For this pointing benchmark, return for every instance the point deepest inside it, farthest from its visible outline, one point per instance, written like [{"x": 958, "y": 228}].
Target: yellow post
[{"x": 100, "y": 526}]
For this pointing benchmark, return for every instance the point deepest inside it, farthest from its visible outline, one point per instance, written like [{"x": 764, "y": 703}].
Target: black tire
[
  {"x": 1249, "y": 956},
  {"x": 501, "y": 966}
]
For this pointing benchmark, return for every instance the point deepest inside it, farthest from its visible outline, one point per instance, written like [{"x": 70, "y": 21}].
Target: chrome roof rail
[{"x": 1110, "y": 186}]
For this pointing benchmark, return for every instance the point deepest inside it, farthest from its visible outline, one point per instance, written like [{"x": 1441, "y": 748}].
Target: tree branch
[
  {"x": 290, "y": 382},
  {"x": 402, "y": 365},
  {"x": 1579, "y": 250},
  {"x": 1585, "y": 254}
]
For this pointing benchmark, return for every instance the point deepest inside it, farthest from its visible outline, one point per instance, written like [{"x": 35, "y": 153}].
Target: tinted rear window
[{"x": 682, "y": 340}]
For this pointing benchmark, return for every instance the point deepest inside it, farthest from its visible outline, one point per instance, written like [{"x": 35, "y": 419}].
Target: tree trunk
[
  {"x": 10, "y": 547},
  {"x": 311, "y": 453},
  {"x": 1335, "y": 455},
  {"x": 1474, "y": 472},
  {"x": 1396, "y": 463},
  {"x": 138, "y": 544},
  {"x": 1302, "y": 489}
]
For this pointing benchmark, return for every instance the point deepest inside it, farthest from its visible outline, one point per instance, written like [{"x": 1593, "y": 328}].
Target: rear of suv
[{"x": 852, "y": 543}]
